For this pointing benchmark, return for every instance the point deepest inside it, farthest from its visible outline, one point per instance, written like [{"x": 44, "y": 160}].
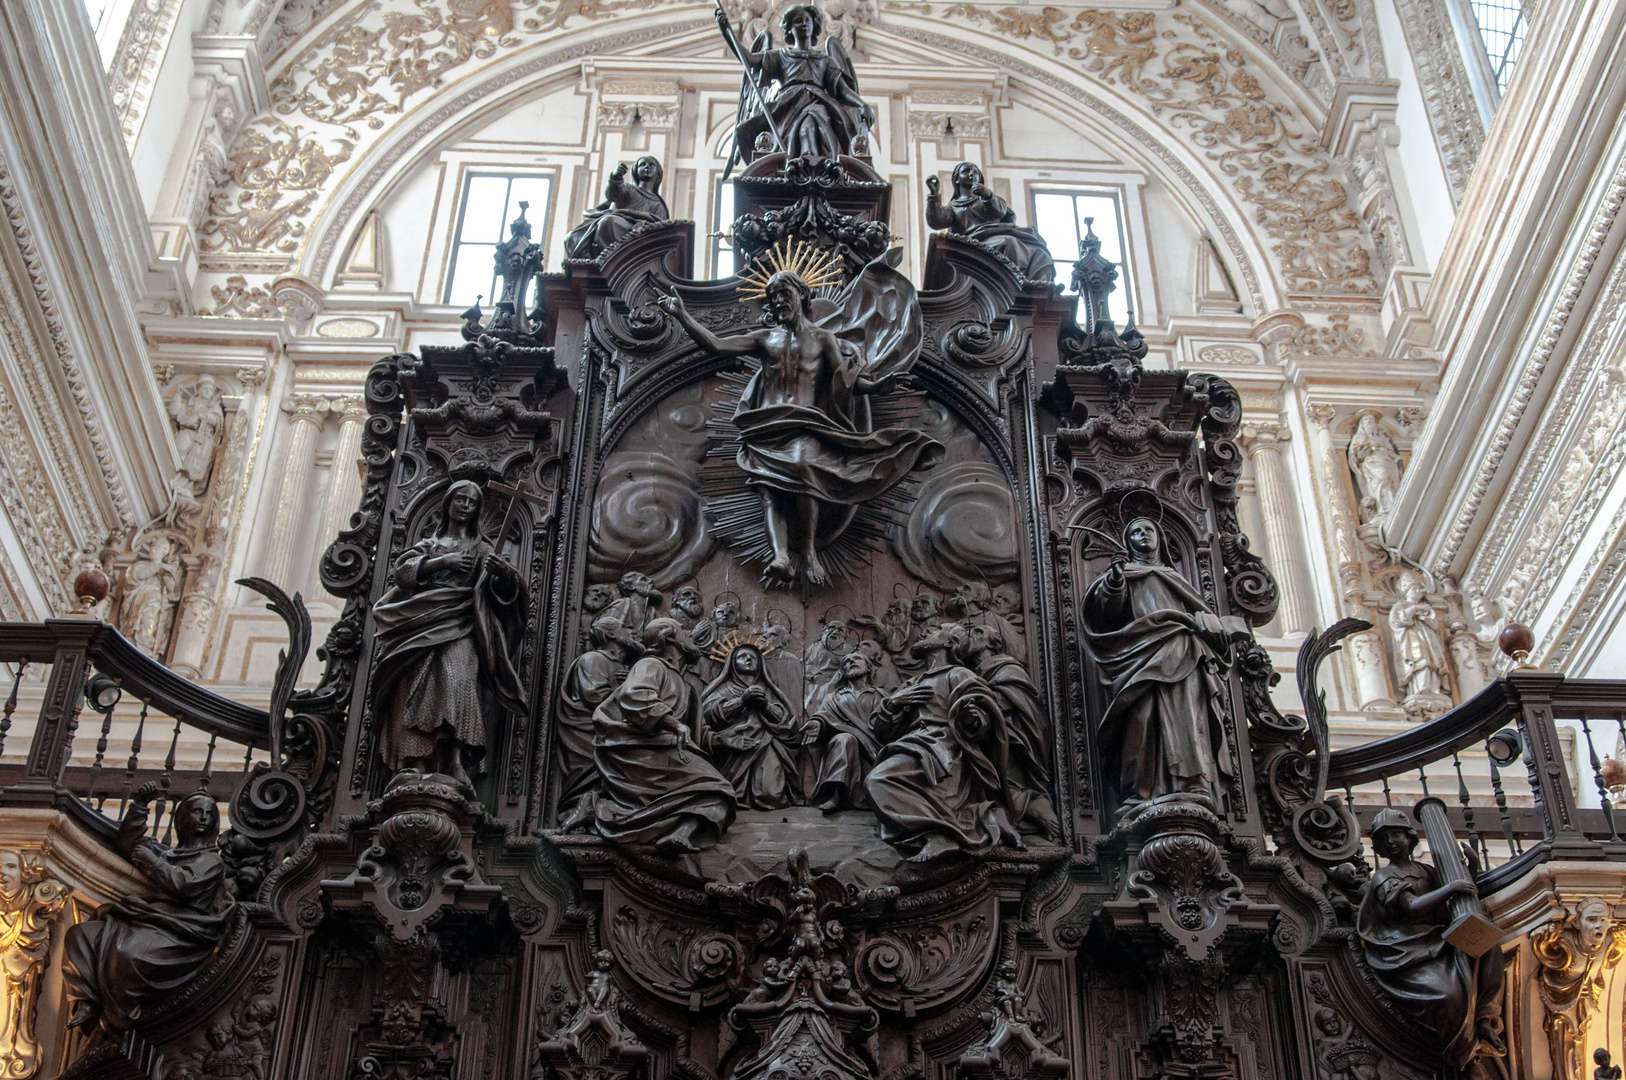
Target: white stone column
[
  {"x": 344, "y": 483},
  {"x": 293, "y": 493},
  {"x": 1284, "y": 552}
]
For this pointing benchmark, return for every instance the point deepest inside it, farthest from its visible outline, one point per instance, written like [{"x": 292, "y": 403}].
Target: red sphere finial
[
  {"x": 90, "y": 587},
  {"x": 1516, "y": 641}
]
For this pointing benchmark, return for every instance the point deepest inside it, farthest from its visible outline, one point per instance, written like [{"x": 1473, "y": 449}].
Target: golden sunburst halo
[
  {"x": 816, "y": 266},
  {"x": 724, "y": 646}
]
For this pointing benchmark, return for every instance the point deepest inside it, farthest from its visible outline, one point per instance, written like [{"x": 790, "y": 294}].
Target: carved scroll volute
[
  {"x": 680, "y": 960},
  {"x": 1575, "y": 952},
  {"x": 29, "y": 904},
  {"x": 918, "y": 968}
]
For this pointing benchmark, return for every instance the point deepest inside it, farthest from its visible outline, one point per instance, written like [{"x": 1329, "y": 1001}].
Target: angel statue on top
[
  {"x": 817, "y": 111},
  {"x": 806, "y": 441}
]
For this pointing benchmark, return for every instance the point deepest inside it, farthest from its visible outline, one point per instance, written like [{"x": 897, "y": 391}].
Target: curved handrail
[
  {"x": 1471, "y": 722},
  {"x": 145, "y": 678}
]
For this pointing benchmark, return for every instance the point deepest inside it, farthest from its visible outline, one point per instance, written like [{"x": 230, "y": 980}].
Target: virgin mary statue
[{"x": 448, "y": 635}]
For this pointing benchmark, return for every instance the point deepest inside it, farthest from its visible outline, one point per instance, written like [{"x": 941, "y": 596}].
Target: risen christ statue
[{"x": 805, "y": 438}]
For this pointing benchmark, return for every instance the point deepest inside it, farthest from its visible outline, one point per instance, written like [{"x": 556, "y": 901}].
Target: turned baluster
[
  {"x": 163, "y": 782},
  {"x": 1513, "y": 845},
  {"x": 101, "y": 753},
  {"x": 135, "y": 756},
  {"x": 1475, "y": 842},
  {"x": 1598, "y": 780},
  {"x": 208, "y": 761},
  {"x": 11, "y": 704}
]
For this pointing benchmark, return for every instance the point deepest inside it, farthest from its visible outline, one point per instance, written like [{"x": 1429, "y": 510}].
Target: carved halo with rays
[
  {"x": 734, "y": 507},
  {"x": 724, "y": 647},
  {"x": 816, "y": 266}
]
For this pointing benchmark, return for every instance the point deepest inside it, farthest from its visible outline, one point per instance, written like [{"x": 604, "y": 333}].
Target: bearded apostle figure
[
  {"x": 655, "y": 787},
  {"x": 806, "y": 442},
  {"x": 1163, "y": 653}
]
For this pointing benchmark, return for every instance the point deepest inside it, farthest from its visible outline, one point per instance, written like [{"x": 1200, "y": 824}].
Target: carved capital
[
  {"x": 350, "y": 408},
  {"x": 1264, "y": 436},
  {"x": 1321, "y": 414},
  {"x": 306, "y": 407}
]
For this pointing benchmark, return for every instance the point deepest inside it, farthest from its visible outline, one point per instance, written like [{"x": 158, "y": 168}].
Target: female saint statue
[
  {"x": 625, "y": 207},
  {"x": 1163, "y": 652},
  {"x": 448, "y": 635},
  {"x": 976, "y": 213},
  {"x": 1419, "y": 656},
  {"x": 143, "y": 948},
  {"x": 1401, "y": 923},
  {"x": 1376, "y": 462},
  {"x": 750, "y": 730}
]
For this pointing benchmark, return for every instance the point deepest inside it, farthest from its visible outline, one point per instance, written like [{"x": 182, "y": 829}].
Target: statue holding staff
[{"x": 817, "y": 111}]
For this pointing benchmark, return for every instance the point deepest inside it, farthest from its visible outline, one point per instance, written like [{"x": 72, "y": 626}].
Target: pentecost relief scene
[{"x": 853, "y": 540}]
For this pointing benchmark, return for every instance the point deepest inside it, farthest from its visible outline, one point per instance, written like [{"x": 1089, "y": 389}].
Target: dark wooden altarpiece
[{"x": 403, "y": 925}]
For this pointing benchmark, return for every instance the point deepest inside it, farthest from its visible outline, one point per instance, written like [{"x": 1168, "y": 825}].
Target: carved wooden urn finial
[
  {"x": 1516, "y": 641},
  {"x": 89, "y": 588}
]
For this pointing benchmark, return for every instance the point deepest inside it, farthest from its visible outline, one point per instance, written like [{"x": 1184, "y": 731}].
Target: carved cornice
[
  {"x": 135, "y": 64},
  {"x": 1441, "y": 75},
  {"x": 88, "y": 423}
]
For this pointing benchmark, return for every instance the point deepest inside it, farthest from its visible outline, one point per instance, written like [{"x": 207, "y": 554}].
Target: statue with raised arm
[
  {"x": 626, "y": 206},
  {"x": 806, "y": 442},
  {"x": 976, "y": 213},
  {"x": 143, "y": 948},
  {"x": 817, "y": 111},
  {"x": 1163, "y": 654}
]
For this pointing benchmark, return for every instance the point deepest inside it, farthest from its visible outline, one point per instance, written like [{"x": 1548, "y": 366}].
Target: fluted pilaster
[
  {"x": 344, "y": 485},
  {"x": 277, "y": 562},
  {"x": 1283, "y": 551}
]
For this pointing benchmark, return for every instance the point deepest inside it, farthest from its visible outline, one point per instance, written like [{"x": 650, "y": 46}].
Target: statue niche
[
  {"x": 806, "y": 443},
  {"x": 448, "y": 635},
  {"x": 1163, "y": 653}
]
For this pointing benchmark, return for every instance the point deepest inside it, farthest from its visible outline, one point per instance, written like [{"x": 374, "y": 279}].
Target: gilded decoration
[
  {"x": 1575, "y": 951},
  {"x": 277, "y": 174},
  {"x": 29, "y": 903}
]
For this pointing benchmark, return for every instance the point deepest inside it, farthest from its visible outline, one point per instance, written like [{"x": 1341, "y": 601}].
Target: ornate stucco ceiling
[{"x": 1198, "y": 95}]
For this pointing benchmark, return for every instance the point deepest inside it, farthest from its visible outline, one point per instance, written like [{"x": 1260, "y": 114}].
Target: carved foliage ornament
[
  {"x": 364, "y": 67},
  {"x": 1203, "y": 86},
  {"x": 29, "y": 903}
]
